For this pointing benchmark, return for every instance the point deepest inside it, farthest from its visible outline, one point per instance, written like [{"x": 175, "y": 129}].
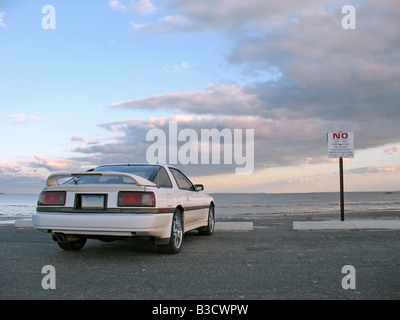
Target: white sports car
[{"x": 123, "y": 201}]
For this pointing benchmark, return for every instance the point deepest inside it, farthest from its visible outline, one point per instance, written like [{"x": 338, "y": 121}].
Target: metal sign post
[
  {"x": 341, "y": 189},
  {"x": 341, "y": 145}
]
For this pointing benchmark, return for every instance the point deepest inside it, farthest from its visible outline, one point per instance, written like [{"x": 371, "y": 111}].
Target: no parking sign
[{"x": 340, "y": 144}]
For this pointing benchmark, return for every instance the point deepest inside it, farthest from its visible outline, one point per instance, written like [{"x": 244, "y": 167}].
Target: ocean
[
  {"x": 263, "y": 205},
  {"x": 251, "y": 205}
]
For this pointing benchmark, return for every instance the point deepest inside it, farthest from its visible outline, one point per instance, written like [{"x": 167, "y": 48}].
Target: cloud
[
  {"x": 393, "y": 150},
  {"x": 142, "y": 7},
  {"x": 374, "y": 169},
  {"x": 231, "y": 15},
  {"x": 181, "y": 68},
  {"x": 216, "y": 99},
  {"x": 252, "y": 17},
  {"x": 329, "y": 79},
  {"x": 117, "y": 149},
  {"x": 275, "y": 145},
  {"x": 165, "y": 25},
  {"x": 14, "y": 179},
  {"x": 328, "y": 72},
  {"x": 53, "y": 164},
  {"x": 78, "y": 138},
  {"x": 9, "y": 168},
  {"x": 321, "y": 70},
  {"x": 284, "y": 105},
  {"x": 129, "y": 146},
  {"x": 2, "y": 15},
  {"x": 22, "y": 183},
  {"x": 255, "y": 17},
  {"x": 23, "y": 118}
]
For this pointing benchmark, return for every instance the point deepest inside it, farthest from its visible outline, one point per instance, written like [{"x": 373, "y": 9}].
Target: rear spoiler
[{"x": 53, "y": 179}]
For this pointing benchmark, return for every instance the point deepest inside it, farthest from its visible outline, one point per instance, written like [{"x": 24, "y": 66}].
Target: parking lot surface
[{"x": 270, "y": 262}]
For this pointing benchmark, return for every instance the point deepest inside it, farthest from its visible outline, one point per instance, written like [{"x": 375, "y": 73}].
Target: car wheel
[
  {"x": 175, "y": 241},
  {"x": 72, "y": 245},
  {"x": 209, "y": 230}
]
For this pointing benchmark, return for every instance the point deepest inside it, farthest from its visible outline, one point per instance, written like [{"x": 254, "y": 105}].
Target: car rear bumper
[{"x": 155, "y": 225}]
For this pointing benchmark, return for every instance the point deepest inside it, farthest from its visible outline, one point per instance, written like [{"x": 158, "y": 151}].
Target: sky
[{"x": 87, "y": 82}]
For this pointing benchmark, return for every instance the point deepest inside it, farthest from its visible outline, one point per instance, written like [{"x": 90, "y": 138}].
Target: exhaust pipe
[
  {"x": 64, "y": 237},
  {"x": 58, "y": 237}
]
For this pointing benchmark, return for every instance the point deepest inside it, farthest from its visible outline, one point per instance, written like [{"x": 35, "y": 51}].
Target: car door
[{"x": 194, "y": 202}]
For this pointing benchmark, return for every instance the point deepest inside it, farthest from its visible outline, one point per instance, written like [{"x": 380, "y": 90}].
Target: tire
[
  {"x": 176, "y": 239},
  {"x": 72, "y": 245},
  {"x": 209, "y": 230}
]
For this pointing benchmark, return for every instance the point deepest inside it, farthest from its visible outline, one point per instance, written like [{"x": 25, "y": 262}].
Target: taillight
[
  {"x": 136, "y": 199},
  {"x": 51, "y": 198}
]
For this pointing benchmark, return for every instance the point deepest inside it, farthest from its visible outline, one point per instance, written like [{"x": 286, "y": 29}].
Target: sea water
[
  {"x": 260, "y": 205},
  {"x": 251, "y": 205}
]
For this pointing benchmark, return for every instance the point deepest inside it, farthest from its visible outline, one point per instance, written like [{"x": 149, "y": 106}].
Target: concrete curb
[
  {"x": 219, "y": 226},
  {"x": 234, "y": 226},
  {"x": 347, "y": 225},
  {"x": 24, "y": 223}
]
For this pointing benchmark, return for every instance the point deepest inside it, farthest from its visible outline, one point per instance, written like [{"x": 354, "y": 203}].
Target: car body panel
[{"x": 118, "y": 224}]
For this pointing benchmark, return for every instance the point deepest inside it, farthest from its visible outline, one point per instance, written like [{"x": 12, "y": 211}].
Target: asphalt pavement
[{"x": 270, "y": 262}]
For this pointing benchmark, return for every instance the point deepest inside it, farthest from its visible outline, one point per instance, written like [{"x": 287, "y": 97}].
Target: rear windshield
[{"x": 144, "y": 171}]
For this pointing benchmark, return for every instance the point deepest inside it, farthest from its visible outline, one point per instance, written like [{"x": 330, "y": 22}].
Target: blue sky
[{"x": 87, "y": 92}]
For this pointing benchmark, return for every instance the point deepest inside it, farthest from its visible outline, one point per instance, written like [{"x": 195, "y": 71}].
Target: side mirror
[{"x": 199, "y": 187}]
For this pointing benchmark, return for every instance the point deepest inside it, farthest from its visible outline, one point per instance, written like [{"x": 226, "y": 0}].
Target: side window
[
  {"x": 181, "y": 180},
  {"x": 162, "y": 179}
]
